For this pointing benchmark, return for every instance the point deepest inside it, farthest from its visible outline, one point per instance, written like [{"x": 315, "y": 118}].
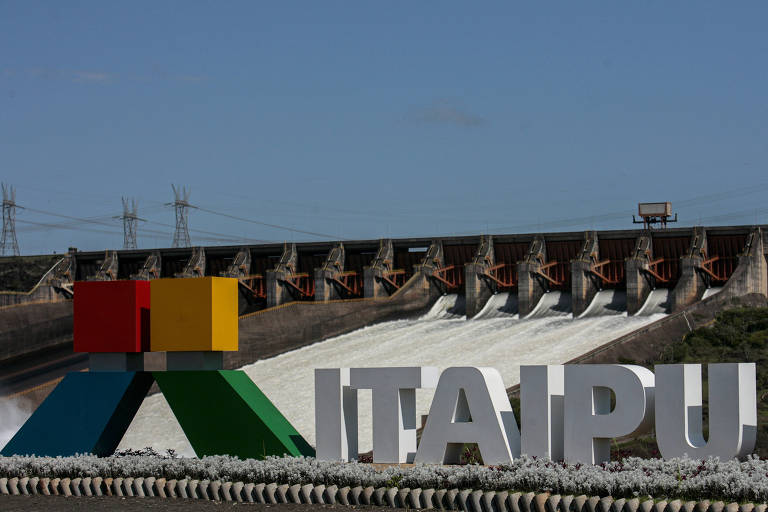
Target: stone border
[{"x": 444, "y": 499}]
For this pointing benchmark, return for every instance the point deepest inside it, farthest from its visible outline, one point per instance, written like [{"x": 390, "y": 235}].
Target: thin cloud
[
  {"x": 446, "y": 112},
  {"x": 95, "y": 76}
]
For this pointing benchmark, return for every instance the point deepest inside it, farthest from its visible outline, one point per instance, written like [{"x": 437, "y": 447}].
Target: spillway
[
  {"x": 500, "y": 305},
  {"x": 448, "y": 307},
  {"x": 442, "y": 338},
  {"x": 656, "y": 303},
  {"x": 552, "y": 304},
  {"x": 607, "y": 302}
]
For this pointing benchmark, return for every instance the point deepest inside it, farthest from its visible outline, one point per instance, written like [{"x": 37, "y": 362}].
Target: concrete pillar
[
  {"x": 433, "y": 259},
  {"x": 373, "y": 286},
  {"x": 324, "y": 287},
  {"x": 476, "y": 289},
  {"x": 373, "y": 283},
  {"x": 583, "y": 287},
  {"x": 277, "y": 291},
  {"x": 584, "y": 284},
  {"x": 691, "y": 285},
  {"x": 751, "y": 274},
  {"x": 324, "y": 276},
  {"x": 530, "y": 287},
  {"x": 477, "y": 292},
  {"x": 638, "y": 287}
]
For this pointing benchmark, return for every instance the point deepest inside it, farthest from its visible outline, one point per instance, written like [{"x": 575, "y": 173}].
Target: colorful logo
[{"x": 194, "y": 321}]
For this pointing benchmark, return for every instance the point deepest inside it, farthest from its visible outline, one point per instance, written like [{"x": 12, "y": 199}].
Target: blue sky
[{"x": 375, "y": 119}]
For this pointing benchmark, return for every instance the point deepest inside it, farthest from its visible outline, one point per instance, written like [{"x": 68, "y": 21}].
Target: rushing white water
[
  {"x": 552, "y": 304},
  {"x": 607, "y": 302},
  {"x": 656, "y": 303},
  {"x": 447, "y": 307},
  {"x": 500, "y": 305},
  {"x": 441, "y": 338}
]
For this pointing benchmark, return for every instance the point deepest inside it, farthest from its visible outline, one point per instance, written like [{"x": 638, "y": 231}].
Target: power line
[
  {"x": 76, "y": 225},
  {"x": 216, "y": 234},
  {"x": 276, "y": 226},
  {"x": 72, "y": 228}
]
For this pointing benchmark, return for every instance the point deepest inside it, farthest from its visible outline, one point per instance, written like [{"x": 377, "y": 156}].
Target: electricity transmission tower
[
  {"x": 130, "y": 220},
  {"x": 9, "y": 245},
  {"x": 180, "y": 205}
]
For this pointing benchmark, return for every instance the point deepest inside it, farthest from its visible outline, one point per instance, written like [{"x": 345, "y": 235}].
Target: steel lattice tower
[
  {"x": 9, "y": 245},
  {"x": 130, "y": 223},
  {"x": 180, "y": 205}
]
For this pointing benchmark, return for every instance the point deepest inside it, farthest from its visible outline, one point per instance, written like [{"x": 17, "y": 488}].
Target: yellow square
[{"x": 194, "y": 314}]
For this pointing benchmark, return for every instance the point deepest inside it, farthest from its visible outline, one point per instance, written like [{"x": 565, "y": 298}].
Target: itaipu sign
[{"x": 566, "y": 412}]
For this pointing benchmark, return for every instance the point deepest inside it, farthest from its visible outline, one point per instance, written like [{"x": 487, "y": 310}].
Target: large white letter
[
  {"x": 394, "y": 407},
  {"x": 335, "y": 415},
  {"x": 541, "y": 411},
  {"x": 732, "y": 410},
  {"x": 589, "y": 422},
  {"x": 470, "y": 406}
]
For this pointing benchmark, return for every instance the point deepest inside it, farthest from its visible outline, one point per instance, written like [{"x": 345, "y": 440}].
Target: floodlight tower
[
  {"x": 180, "y": 205},
  {"x": 9, "y": 245}
]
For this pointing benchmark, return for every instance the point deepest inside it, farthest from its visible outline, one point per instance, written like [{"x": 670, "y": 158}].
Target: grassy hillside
[
  {"x": 21, "y": 273},
  {"x": 737, "y": 336}
]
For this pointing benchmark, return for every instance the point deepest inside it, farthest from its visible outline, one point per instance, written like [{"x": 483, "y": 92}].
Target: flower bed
[{"x": 686, "y": 479}]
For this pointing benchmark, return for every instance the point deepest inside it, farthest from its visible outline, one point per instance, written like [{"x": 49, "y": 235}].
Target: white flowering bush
[{"x": 684, "y": 478}]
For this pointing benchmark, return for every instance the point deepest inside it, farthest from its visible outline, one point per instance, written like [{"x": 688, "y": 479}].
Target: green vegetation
[
  {"x": 21, "y": 273},
  {"x": 736, "y": 336}
]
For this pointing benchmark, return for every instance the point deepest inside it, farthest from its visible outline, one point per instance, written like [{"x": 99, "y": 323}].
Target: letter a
[{"x": 470, "y": 406}]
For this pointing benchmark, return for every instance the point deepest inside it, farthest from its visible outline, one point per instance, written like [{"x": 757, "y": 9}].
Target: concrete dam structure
[
  {"x": 293, "y": 295},
  {"x": 529, "y": 265}
]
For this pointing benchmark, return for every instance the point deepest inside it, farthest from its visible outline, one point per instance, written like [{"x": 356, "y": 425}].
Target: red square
[{"x": 111, "y": 316}]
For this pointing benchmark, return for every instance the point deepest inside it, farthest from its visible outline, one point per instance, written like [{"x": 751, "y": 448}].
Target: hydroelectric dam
[{"x": 501, "y": 301}]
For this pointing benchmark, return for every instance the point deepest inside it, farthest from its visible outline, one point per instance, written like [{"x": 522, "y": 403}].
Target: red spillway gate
[
  {"x": 302, "y": 284},
  {"x": 665, "y": 264},
  {"x": 451, "y": 274},
  {"x": 503, "y": 275},
  {"x": 610, "y": 267},
  {"x": 557, "y": 270},
  {"x": 256, "y": 285},
  {"x": 351, "y": 282},
  {"x": 722, "y": 256}
]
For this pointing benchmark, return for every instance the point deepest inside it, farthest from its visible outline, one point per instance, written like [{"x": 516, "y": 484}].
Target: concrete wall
[
  {"x": 28, "y": 328},
  {"x": 38, "y": 294},
  {"x": 751, "y": 275}
]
